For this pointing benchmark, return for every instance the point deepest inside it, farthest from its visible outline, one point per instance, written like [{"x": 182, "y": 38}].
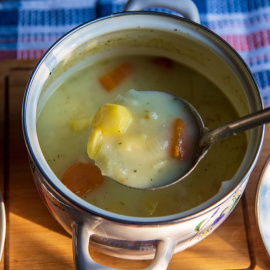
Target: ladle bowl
[{"x": 209, "y": 137}]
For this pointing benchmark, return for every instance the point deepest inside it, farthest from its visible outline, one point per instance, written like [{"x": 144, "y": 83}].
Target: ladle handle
[{"x": 242, "y": 124}]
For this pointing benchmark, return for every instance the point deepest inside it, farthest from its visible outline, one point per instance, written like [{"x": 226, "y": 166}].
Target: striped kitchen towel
[{"x": 29, "y": 27}]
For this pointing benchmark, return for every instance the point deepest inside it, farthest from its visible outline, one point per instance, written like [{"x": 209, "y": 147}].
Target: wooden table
[{"x": 34, "y": 240}]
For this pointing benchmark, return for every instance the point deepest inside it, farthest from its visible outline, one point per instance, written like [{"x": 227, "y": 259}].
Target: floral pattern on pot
[{"x": 219, "y": 215}]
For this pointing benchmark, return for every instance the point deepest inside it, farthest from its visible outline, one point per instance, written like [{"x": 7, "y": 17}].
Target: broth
[{"x": 78, "y": 98}]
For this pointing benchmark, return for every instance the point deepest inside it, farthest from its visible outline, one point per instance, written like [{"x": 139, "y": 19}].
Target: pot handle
[
  {"x": 185, "y": 7},
  {"x": 83, "y": 261}
]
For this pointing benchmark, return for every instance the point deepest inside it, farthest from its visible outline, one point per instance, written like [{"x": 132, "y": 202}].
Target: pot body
[
  {"x": 134, "y": 241},
  {"x": 152, "y": 34}
]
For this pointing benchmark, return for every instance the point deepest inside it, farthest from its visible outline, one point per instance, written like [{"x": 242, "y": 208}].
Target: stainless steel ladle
[{"x": 209, "y": 137}]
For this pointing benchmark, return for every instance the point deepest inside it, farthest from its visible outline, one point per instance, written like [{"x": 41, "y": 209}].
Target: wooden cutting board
[{"x": 34, "y": 240}]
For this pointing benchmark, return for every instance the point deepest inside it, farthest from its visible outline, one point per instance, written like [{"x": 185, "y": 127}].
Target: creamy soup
[
  {"x": 63, "y": 128},
  {"x": 144, "y": 139}
]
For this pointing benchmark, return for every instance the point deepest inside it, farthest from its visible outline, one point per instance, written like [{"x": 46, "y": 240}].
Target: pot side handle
[
  {"x": 83, "y": 261},
  {"x": 185, "y": 7}
]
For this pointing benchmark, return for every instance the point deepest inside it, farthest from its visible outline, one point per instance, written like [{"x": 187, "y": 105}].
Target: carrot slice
[
  {"x": 115, "y": 76},
  {"x": 177, "y": 150},
  {"x": 82, "y": 177}
]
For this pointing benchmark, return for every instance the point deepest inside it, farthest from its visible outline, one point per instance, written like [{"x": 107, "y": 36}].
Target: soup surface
[{"x": 63, "y": 128}]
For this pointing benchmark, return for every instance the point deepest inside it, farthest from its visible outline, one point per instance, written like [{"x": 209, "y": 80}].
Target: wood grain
[{"x": 35, "y": 240}]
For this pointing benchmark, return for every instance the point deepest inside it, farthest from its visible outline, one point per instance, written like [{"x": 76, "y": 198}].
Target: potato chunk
[
  {"x": 112, "y": 119},
  {"x": 80, "y": 124}
]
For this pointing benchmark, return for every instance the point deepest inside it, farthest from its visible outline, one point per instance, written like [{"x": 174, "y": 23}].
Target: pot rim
[{"x": 67, "y": 195}]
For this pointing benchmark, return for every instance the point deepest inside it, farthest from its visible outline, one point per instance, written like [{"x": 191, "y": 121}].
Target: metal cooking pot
[{"x": 133, "y": 33}]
